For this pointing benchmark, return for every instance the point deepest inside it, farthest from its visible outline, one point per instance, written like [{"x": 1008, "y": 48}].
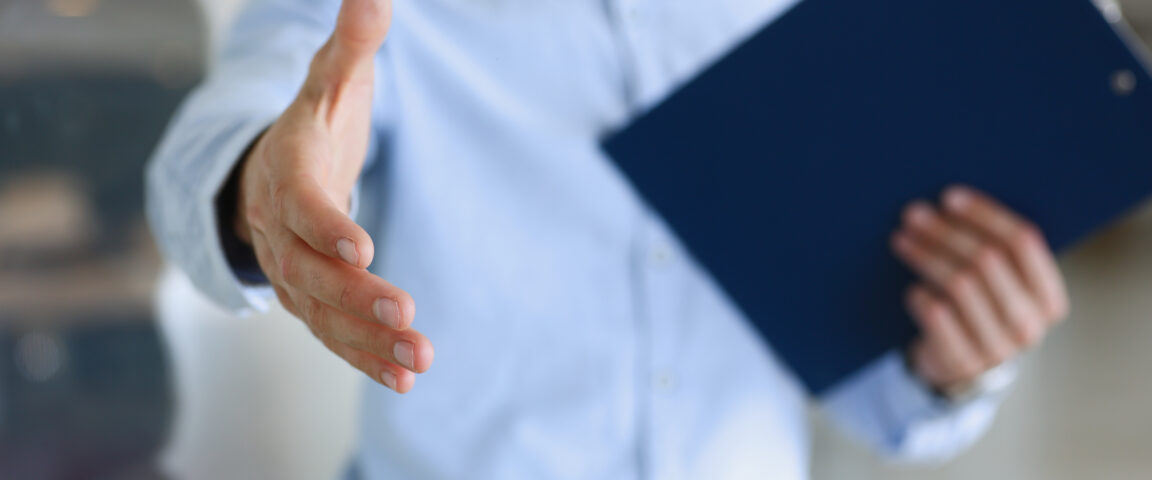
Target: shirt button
[
  {"x": 664, "y": 382},
  {"x": 660, "y": 255}
]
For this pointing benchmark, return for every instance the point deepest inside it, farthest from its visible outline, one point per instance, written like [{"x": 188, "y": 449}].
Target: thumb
[{"x": 360, "y": 30}]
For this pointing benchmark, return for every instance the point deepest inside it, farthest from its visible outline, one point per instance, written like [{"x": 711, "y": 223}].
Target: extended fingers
[
  {"x": 407, "y": 348},
  {"x": 388, "y": 373},
  {"x": 354, "y": 291},
  {"x": 378, "y": 369}
]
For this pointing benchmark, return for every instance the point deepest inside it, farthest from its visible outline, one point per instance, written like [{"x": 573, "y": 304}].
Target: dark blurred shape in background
[{"x": 86, "y": 88}]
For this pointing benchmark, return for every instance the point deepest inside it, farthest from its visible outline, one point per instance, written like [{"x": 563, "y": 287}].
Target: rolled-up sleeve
[
  {"x": 887, "y": 407},
  {"x": 261, "y": 66}
]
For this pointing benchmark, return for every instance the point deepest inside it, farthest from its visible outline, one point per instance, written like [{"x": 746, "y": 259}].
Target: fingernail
[
  {"x": 957, "y": 198},
  {"x": 918, "y": 214},
  {"x": 387, "y": 312},
  {"x": 388, "y": 379},
  {"x": 347, "y": 250},
  {"x": 405, "y": 353}
]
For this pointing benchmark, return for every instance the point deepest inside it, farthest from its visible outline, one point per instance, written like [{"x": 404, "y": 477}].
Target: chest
[{"x": 580, "y": 63}]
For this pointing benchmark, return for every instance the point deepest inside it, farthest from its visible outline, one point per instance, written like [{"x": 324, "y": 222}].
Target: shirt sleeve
[
  {"x": 257, "y": 73},
  {"x": 889, "y": 408}
]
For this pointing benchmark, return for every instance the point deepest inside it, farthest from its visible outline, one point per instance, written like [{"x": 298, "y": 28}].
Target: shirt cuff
[
  {"x": 890, "y": 408},
  {"x": 911, "y": 400},
  {"x": 234, "y": 277}
]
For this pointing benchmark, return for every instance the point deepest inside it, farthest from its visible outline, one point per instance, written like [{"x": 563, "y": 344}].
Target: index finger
[{"x": 306, "y": 209}]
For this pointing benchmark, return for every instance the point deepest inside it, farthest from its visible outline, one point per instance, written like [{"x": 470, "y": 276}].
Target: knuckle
[
  {"x": 269, "y": 267},
  {"x": 988, "y": 258},
  {"x": 1025, "y": 238},
  {"x": 316, "y": 318},
  {"x": 960, "y": 284},
  {"x": 362, "y": 337},
  {"x": 357, "y": 39},
  {"x": 280, "y": 192},
  {"x": 254, "y": 214},
  {"x": 314, "y": 230},
  {"x": 308, "y": 311},
  {"x": 313, "y": 278},
  {"x": 287, "y": 264},
  {"x": 935, "y": 311},
  {"x": 272, "y": 272},
  {"x": 316, "y": 65},
  {"x": 377, "y": 343},
  {"x": 318, "y": 73},
  {"x": 344, "y": 298}
]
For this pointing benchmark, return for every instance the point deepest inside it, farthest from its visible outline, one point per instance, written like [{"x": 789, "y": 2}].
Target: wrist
[{"x": 993, "y": 381}]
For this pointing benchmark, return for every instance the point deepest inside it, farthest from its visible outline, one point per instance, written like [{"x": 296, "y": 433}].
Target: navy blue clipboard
[{"x": 784, "y": 166}]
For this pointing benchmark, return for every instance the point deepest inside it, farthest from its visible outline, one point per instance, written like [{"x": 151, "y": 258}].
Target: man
[{"x": 576, "y": 338}]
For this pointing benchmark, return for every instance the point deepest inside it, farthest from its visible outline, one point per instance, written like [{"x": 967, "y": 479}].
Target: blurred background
[{"x": 102, "y": 372}]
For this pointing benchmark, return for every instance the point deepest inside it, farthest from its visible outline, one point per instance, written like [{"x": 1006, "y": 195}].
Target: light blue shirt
[{"x": 575, "y": 336}]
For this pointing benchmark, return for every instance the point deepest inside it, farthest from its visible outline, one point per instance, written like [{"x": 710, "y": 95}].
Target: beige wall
[{"x": 1138, "y": 11}]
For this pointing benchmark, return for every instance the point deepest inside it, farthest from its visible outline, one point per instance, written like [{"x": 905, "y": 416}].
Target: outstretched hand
[{"x": 292, "y": 207}]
